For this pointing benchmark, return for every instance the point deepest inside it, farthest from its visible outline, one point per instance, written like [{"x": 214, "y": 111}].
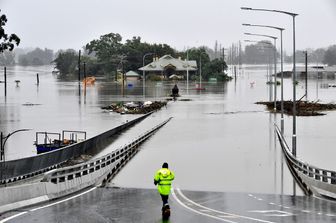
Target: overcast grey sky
[{"x": 62, "y": 24}]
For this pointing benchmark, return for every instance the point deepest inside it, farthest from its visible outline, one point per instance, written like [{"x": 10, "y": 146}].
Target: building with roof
[
  {"x": 168, "y": 65},
  {"x": 320, "y": 71},
  {"x": 132, "y": 76}
]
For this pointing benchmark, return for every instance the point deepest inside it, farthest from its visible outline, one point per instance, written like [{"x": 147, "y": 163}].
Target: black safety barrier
[
  {"x": 316, "y": 174},
  {"x": 24, "y": 168}
]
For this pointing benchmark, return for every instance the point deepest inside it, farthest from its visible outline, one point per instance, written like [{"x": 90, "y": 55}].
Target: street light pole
[
  {"x": 3, "y": 140},
  {"x": 281, "y": 62},
  {"x": 274, "y": 38},
  {"x": 143, "y": 75},
  {"x": 294, "y": 75},
  {"x": 294, "y": 69}
]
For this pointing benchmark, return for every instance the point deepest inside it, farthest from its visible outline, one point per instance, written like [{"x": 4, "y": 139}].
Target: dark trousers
[{"x": 164, "y": 199}]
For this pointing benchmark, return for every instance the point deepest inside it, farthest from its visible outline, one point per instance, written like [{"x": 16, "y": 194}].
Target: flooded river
[{"x": 220, "y": 140}]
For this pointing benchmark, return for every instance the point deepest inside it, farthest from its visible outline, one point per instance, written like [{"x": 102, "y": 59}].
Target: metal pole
[
  {"x": 79, "y": 60},
  {"x": 1, "y": 148},
  {"x": 187, "y": 72},
  {"x": 143, "y": 78},
  {"x": 143, "y": 75},
  {"x": 1, "y": 155},
  {"x": 200, "y": 71},
  {"x": 294, "y": 102},
  {"x": 37, "y": 79},
  {"x": 282, "y": 102},
  {"x": 306, "y": 60},
  {"x": 275, "y": 75},
  {"x": 84, "y": 71},
  {"x": 5, "y": 80},
  {"x": 79, "y": 86},
  {"x": 294, "y": 93}
]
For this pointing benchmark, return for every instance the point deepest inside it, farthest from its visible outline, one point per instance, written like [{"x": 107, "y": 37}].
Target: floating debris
[
  {"x": 135, "y": 107},
  {"x": 74, "y": 161},
  {"x": 303, "y": 108},
  {"x": 29, "y": 104}
]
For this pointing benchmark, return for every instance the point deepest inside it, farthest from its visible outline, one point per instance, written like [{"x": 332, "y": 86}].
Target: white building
[{"x": 168, "y": 65}]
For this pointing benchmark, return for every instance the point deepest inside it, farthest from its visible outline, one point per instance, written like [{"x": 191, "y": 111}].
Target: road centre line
[{"x": 216, "y": 211}]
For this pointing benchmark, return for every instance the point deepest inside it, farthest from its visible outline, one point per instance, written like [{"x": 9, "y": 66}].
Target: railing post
[
  {"x": 324, "y": 178},
  {"x": 333, "y": 178},
  {"x": 311, "y": 174},
  {"x": 304, "y": 169},
  {"x": 317, "y": 176}
]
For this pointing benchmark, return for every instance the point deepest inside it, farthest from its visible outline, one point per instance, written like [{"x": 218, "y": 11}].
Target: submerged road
[{"x": 144, "y": 205}]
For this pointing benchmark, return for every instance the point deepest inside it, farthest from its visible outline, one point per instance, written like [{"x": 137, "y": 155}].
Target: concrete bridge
[
  {"x": 82, "y": 193},
  {"x": 84, "y": 189}
]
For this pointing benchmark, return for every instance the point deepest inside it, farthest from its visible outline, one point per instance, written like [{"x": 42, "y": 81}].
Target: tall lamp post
[
  {"x": 294, "y": 69},
  {"x": 143, "y": 74},
  {"x": 294, "y": 74},
  {"x": 3, "y": 140},
  {"x": 274, "y": 38},
  {"x": 281, "y": 62}
]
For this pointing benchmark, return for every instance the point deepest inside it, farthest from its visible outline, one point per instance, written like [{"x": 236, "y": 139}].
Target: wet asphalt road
[{"x": 143, "y": 205}]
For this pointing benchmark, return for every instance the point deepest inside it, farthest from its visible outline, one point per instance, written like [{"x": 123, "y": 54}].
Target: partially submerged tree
[
  {"x": 66, "y": 62},
  {"x": 6, "y": 41}
]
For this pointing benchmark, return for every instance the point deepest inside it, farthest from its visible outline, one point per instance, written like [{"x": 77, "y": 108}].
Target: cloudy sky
[{"x": 62, "y": 24}]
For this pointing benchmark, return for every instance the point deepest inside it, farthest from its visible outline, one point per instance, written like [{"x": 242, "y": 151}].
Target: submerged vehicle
[{"x": 49, "y": 141}]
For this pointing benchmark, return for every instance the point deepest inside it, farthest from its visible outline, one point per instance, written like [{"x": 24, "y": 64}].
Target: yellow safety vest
[{"x": 164, "y": 178}]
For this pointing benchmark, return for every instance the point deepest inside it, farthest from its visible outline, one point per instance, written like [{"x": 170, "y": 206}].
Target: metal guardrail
[
  {"x": 21, "y": 169},
  {"x": 313, "y": 172},
  {"x": 119, "y": 157}
]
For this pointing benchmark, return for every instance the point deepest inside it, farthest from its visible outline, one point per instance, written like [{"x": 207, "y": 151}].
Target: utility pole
[
  {"x": 5, "y": 82},
  {"x": 306, "y": 63}
]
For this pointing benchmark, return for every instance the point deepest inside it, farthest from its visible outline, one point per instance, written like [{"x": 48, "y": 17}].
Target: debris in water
[{"x": 303, "y": 108}]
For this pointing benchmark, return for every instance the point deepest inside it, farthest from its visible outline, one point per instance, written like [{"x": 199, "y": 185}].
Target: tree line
[{"x": 109, "y": 54}]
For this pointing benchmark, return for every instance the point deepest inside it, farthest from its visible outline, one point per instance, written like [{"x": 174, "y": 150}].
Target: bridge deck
[{"x": 143, "y": 205}]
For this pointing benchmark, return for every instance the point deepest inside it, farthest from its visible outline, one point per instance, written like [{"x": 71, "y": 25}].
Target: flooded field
[{"x": 220, "y": 140}]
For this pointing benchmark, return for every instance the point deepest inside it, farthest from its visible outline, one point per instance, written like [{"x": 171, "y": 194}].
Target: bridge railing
[
  {"x": 313, "y": 172},
  {"x": 22, "y": 169},
  {"x": 114, "y": 160}
]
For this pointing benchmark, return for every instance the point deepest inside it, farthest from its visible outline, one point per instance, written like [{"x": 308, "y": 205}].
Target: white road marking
[
  {"x": 45, "y": 206},
  {"x": 198, "y": 212},
  {"x": 61, "y": 201},
  {"x": 213, "y": 210},
  {"x": 274, "y": 213},
  {"x": 14, "y": 216}
]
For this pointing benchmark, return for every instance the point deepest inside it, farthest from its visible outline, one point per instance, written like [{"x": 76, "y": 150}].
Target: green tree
[
  {"x": 66, "y": 62},
  {"x": 108, "y": 50},
  {"x": 330, "y": 56},
  {"x": 215, "y": 68},
  {"x": 7, "y": 41}
]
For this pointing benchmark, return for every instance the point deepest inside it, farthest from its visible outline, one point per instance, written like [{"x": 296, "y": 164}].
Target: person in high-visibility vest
[{"x": 163, "y": 178}]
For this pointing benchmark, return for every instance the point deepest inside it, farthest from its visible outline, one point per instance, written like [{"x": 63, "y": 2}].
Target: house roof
[
  {"x": 169, "y": 61},
  {"x": 132, "y": 73}
]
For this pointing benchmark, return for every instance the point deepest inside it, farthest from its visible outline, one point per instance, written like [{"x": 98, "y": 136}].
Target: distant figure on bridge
[
  {"x": 163, "y": 178},
  {"x": 175, "y": 91}
]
